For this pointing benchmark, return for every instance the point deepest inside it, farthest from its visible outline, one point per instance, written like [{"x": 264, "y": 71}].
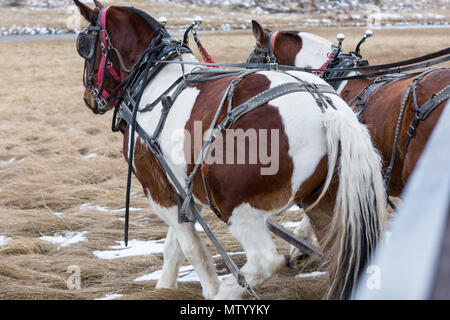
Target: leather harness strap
[
  {"x": 370, "y": 89},
  {"x": 421, "y": 114}
]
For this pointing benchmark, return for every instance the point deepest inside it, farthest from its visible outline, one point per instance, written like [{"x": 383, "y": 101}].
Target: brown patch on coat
[
  {"x": 149, "y": 173},
  {"x": 286, "y": 47},
  {"x": 233, "y": 184}
]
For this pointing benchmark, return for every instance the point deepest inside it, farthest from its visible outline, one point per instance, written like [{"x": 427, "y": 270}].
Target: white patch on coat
[
  {"x": 177, "y": 118},
  {"x": 303, "y": 124},
  {"x": 314, "y": 51}
]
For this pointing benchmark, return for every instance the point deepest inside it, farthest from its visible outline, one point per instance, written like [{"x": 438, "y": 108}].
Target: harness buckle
[
  {"x": 273, "y": 66},
  {"x": 226, "y": 123},
  {"x": 101, "y": 102}
]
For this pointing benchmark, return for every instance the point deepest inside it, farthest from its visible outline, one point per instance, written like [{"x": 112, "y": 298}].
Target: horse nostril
[{"x": 86, "y": 103}]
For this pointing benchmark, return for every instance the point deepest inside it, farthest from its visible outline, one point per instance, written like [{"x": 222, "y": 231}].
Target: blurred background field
[{"x": 60, "y": 16}]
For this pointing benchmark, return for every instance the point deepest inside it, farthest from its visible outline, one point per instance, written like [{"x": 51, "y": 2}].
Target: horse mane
[{"x": 154, "y": 25}]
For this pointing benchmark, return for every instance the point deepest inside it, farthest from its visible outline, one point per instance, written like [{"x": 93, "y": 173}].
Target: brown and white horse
[
  {"x": 381, "y": 112},
  {"x": 325, "y": 159}
]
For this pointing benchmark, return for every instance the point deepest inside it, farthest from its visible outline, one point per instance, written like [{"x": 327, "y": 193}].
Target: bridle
[
  {"x": 265, "y": 54},
  {"x": 86, "y": 47}
]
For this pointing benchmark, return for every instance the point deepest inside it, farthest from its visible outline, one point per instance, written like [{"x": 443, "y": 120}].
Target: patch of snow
[
  {"x": 150, "y": 276},
  {"x": 88, "y": 206},
  {"x": 291, "y": 224},
  {"x": 230, "y": 254},
  {"x": 4, "y": 240},
  {"x": 10, "y": 161},
  {"x": 135, "y": 248},
  {"x": 185, "y": 274},
  {"x": 313, "y": 274},
  {"x": 90, "y": 156},
  {"x": 58, "y": 214},
  {"x": 65, "y": 239},
  {"x": 294, "y": 208},
  {"x": 435, "y": 16},
  {"x": 111, "y": 296},
  {"x": 198, "y": 227}
]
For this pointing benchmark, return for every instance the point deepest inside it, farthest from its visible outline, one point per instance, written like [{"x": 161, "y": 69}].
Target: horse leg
[
  {"x": 305, "y": 231},
  {"x": 192, "y": 248},
  {"x": 263, "y": 257},
  {"x": 173, "y": 258}
]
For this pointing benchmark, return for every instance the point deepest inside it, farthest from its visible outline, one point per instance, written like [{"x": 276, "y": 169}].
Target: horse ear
[
  {"x": 259, "y": 32},
  {"x": 98, "y": 4},
  {"x": 85, "y": 11}
]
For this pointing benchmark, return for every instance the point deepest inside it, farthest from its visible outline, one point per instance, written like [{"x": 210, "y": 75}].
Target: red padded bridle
[{"x": 100, "y": 94}]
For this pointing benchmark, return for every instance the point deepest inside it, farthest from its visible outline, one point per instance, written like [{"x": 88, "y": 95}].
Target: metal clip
[
  {"x": 273, "y": 65},
  {"x": 101, "y": 103}
]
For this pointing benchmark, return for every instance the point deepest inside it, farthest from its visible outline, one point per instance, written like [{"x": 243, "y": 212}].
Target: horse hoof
[{"x": 295, "y": 260}]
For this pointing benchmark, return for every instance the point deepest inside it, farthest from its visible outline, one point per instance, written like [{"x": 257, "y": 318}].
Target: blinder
[
  {"x": 86, "y": 43},
  {"x": 265, "y": 54}
]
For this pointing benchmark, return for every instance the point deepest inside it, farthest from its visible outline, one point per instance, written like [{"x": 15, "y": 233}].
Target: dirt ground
[{"x": 58, "y": 162}]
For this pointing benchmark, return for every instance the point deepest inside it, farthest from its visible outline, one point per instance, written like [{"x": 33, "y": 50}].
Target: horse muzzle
[{"x": 95, "y": 109}]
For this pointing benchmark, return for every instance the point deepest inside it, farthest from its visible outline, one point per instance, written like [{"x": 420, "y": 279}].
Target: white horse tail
[{"x": 360, "y": 209}]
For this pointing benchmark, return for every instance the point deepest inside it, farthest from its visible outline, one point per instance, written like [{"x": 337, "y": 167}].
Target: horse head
[
  {"x": 111, "y": 45},
  {"x": 292, "y": 48}
]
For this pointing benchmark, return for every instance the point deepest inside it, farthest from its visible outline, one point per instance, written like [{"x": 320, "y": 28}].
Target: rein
[{"x": 276, "y": 66}]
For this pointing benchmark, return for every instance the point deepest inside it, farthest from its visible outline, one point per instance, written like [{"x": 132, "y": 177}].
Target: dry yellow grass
[{"x": 46, "y": 128}]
